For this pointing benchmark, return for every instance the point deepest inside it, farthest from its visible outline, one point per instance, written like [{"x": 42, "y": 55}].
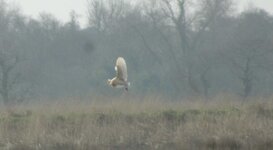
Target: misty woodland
[{"x": 176, "y": 48}]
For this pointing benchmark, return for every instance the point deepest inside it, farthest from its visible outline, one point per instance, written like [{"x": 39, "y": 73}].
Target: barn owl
[{"x": 120, "y": 80}]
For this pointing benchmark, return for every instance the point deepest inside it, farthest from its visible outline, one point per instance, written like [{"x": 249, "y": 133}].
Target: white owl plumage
[{"x": 120, "y": 80}]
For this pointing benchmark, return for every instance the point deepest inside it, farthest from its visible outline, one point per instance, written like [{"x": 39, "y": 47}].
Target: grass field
[{"x": 147, "y": 124}]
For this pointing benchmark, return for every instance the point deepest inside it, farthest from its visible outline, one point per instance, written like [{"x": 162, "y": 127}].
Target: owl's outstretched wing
[{"x": 121, "y": 69}]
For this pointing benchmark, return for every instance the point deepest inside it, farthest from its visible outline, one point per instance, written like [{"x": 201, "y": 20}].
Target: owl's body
[{"x": 120, "y": 80}]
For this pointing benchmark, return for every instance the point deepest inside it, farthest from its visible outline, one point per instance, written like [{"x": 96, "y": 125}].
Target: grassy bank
[{"x": 128, "y": 124}]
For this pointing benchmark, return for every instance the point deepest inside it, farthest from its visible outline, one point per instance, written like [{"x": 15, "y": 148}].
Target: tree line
[{"x": 172, "y": 47}]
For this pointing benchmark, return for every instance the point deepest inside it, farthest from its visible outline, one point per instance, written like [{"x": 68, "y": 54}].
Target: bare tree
[
  {"x": 10, "y": 24},
  {"x": 73, "y": 23},
  {"x": 96, "y": 13},
  {"x": 7, "y": 65},
  {"x": 105, "y": 14},
  {"x": 192, "y": 29},
  {"x": 211, "y": 16},
  {"x": 251, "y": 47},
  {"x": 9, "y": 76}
]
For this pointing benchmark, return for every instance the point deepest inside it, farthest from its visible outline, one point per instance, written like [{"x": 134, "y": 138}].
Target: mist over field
[{"x": 201, "y": 77}]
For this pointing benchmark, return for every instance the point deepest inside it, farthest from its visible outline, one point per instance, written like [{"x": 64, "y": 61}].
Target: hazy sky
[{"x": 61, "y": 8}]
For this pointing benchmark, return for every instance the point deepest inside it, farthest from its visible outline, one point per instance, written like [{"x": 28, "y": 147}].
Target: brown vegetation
[{"x": 131, "y": 124}]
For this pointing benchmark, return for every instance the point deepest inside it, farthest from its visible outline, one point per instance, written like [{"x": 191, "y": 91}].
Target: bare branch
[{"x": 170, "y": 12}]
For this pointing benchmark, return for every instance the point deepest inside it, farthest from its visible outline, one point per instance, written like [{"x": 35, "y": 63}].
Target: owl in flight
[{"x": 120, "y": 80}]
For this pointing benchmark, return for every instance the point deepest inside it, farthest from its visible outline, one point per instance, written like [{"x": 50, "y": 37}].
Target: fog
[{"x": 170, "y": 50}]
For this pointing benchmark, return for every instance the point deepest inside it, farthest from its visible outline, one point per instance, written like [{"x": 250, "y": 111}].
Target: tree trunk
[
  {"x": 247, "y": 80},
  {"x": 5, "y": 91}
]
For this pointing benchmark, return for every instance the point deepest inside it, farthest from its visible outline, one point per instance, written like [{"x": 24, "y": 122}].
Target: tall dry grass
[{"x": 131, "y": 123}]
